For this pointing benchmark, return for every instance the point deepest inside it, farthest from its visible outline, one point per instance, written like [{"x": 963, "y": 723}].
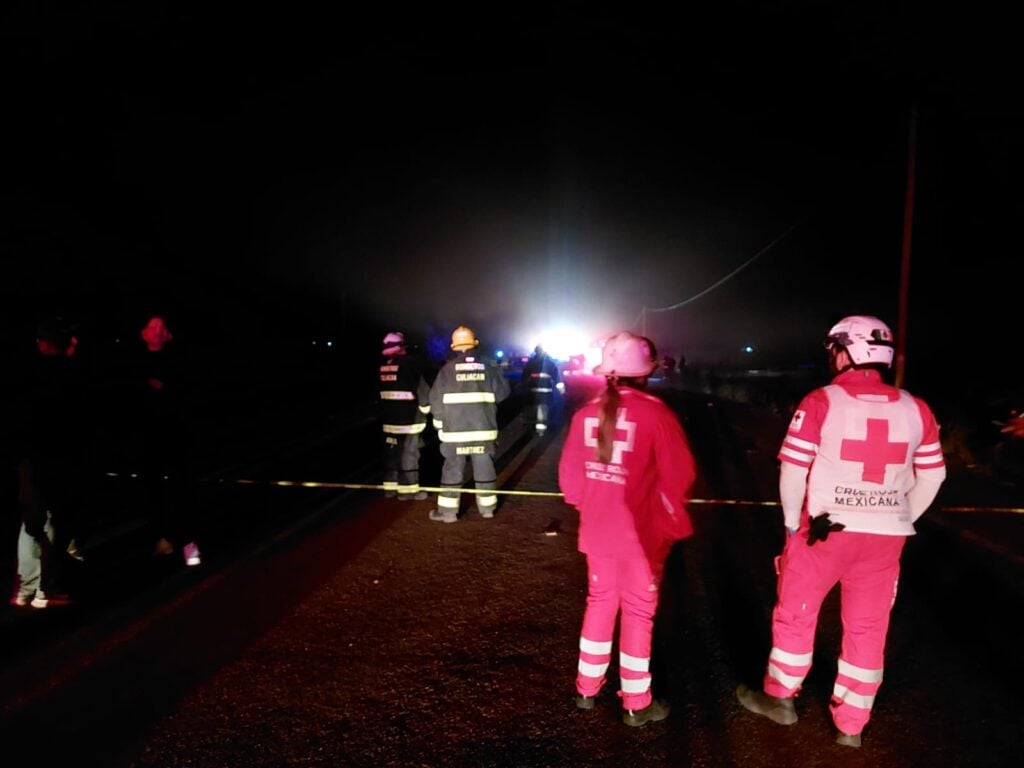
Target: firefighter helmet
[
  {"x": 866, "y": 339},
  {"x": 463, "y": 339},
  {"x": 394, "y": 343},
  {"x": 627, "y": 355}
]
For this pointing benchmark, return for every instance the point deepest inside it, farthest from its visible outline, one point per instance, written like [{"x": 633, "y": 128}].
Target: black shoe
[
  {"x": 848, "y": 739},
  {"x": 446, "y": 516},
  {"x": 584, "y": 702},
  {"x": 652, "y": 713},
  {"x": 781, "y": 711},
  {"x": 418, "y": 496}
]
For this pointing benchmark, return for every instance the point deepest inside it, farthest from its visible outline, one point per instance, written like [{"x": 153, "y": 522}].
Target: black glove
[{"x": 820, "y": 527}]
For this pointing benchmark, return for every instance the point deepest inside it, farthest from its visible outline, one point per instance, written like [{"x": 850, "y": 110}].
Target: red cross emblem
[
  {"x": 624, "y": 429},
  {"x": 875, "y": 451}
]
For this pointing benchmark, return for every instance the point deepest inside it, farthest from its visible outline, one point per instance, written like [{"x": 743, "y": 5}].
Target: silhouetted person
[
  {"x": 54, "y": 451},
  {"x": 540, "y": 382},
  {"x": 164, "y": 432},
  {"x": 404, "y": 405}
]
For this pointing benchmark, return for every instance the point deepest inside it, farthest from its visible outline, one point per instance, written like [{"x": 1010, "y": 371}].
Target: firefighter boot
[
  {"x": 780, "y": 711},
  {"x": 652, "y": 713}
]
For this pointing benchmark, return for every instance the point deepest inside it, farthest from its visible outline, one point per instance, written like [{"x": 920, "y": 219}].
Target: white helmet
[
  {"x": 627, "y": 355},
  {"x": 866, "y": 339},
  {"x": 394, "y": 343}
]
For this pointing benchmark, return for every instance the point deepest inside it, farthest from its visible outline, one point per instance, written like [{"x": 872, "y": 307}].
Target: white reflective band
[
  {"x": 390, "y": 485},
  {"x": 592, "y": 670},
  {"x": 487, "y": 501},
  {"x": 437, "y": 424},
  {"x": 541, "y": 375},
  {"x": 859, "y": 673},
  {"x": 793, "y": 659},
  {"x": 847, "y": 696},
  {"x": 409, "y": 488},
  {"x": 634, "y": 663},
  {"x": 424, "y": 409},
  {"x": 403, "y": 429},
  {"x": 467, "y": 397},
  {"x": 448, "y": 502},
  {"x": 800, "y": 456},
  {"x": 469, "y": 437},
  {"x": 594, "y": 647},
  {"x": 391, "y": 394},
  {"x": 789, "y": 681},
  {"x": 541, "y": 427},
  {"x": 635, "y": 686},
  {"x": 540, "y": 389},
  {"x": 796, "y": 442}
]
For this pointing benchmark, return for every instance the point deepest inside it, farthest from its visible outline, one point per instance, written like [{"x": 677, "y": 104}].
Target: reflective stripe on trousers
[
  {"x": 615, "y": 586},
  {"x": 866, "y": 567}
]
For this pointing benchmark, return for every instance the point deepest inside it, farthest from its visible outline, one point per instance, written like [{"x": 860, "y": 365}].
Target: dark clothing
[
  {"x": 160, "y": 421},
  {"x": 403, "y": 408},
  {"x": 464, "y": 402},
  {"x": 54, "y": 447},
  {"x": 540, "y": 379}
]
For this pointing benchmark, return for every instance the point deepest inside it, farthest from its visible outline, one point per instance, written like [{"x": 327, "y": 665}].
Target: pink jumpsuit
[
  {"x": 864, "y": 443},
  {"x": 631, "y": 510}
]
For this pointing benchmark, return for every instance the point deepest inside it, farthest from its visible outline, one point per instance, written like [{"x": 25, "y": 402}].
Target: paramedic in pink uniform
[
  {"x": 627, "y": 467},
  {"x": 861, "y": 461}
]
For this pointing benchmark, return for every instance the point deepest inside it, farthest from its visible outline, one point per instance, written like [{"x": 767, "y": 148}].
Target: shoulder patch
[{"x": 797, "y": 421}]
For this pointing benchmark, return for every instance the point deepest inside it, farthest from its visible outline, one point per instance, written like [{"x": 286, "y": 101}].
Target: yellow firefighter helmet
[{"x": 463, "y": 339}]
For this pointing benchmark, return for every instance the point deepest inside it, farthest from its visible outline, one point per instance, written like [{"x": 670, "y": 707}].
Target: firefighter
[
  {"x": 860, "y": 462},
  {"x": 404, "y": 405},
  {"x": 540, "y": 381},
  {"x": 464, "y": 403}
]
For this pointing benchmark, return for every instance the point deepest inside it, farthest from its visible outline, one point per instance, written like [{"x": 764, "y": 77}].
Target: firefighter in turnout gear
[
  {"x": 464, "y": 403},
  {"x": 540, "y": 382},
  {"x": 861, "y": 461},
  {"x": 404, "y": 404}
]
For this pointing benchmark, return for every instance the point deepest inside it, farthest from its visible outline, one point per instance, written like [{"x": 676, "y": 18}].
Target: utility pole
[{"x": 908, "y": 227}]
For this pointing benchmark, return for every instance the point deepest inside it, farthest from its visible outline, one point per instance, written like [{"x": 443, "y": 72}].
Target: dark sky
[{"x": 515, "y": 166}]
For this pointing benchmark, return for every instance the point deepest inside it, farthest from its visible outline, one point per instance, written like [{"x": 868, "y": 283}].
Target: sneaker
[
  {"x": 74, "y": 552},
  {"x": 487, "y": 512},
  {"x": 163, "y": 547},
  {"x": 652, "y": 713},
  {"x": 848, "y": 739},
  {"x": 439, "y": 516},
  {"x": 21, "y": 600},
  {"x": 39, "y": 602},
  {"x": 418, "y": 496},
  {"x": 781, "y": 711},
  {"x": 584, "y": 702},
  {"x": 191, "y": 554}
]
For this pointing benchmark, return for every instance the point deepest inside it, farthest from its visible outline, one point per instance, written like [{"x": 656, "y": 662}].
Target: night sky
[{"x": 517, "y": 166}]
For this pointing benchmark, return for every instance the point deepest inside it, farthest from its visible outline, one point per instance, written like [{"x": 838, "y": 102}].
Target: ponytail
[{"x": 610, "y": 400}]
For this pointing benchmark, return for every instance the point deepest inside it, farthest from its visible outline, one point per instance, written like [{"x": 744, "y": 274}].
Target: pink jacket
[{"x": 635, "y": 505}]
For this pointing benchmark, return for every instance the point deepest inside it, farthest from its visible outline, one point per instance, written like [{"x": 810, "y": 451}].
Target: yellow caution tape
[{"x": 551, "y": 494}]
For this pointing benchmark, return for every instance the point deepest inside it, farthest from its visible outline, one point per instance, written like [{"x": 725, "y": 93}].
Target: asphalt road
[{"x": 362, "y": 634}]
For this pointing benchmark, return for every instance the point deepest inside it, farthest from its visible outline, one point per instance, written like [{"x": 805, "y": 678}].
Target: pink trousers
[
  {"x": 615, "y": 586},
  {"x": 866, "y": 566}
]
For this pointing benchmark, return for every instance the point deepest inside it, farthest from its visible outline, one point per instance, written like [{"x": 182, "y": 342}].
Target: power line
[{"x": 732, "y": 274}]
